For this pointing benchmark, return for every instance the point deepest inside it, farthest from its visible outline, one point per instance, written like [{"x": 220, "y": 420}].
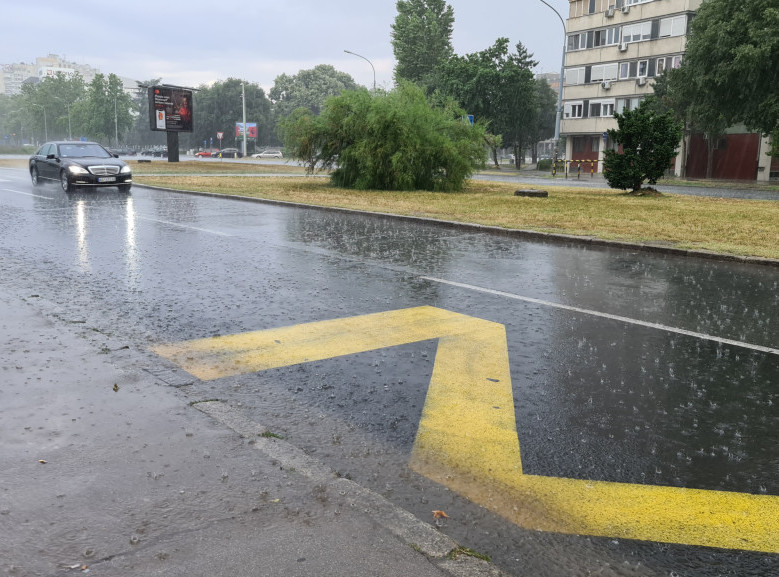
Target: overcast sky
[{"x": 197, "y": 42}]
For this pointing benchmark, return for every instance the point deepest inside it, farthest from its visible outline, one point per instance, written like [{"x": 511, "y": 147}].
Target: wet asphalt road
[{"x": 688, "y": 404}]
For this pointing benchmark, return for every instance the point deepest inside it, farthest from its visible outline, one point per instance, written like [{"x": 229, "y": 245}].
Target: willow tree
[{"x": 387, "y": 141}]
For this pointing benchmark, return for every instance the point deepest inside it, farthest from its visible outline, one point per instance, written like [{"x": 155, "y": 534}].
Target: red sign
[{"x": 219, "y": 135}]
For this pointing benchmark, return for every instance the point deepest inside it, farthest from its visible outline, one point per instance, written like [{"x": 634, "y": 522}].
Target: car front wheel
[
  {"x": 65, "y": 182},
  {"x": 34, "y": 176}
]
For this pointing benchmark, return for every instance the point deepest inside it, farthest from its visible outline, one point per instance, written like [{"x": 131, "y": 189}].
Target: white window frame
[
  {"x": 643, "y": 69},
  {"x": 572, "y": 108},
  {"x": 660, "y": 66},
  {"x": 579, "y": 44},
  {"x": 636, "y": 32},
  {"x": 601, "y": 72},
  {"x": 606, "y": 108},
  {"x": 624, "y": 70},
  {"x": 574, "y": 76},
  {"x": 674, "y": 26},
  {"x": 676, "y": 61}
]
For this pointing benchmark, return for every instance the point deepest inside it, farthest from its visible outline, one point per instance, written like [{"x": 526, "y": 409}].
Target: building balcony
[{"x": 597, "y": 125}]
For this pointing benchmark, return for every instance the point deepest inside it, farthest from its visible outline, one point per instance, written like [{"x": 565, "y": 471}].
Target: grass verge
[{"x": 727, "y": 226}]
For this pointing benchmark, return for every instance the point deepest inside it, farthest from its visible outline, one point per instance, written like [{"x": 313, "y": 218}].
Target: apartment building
[{"x": 614, "y": 49}]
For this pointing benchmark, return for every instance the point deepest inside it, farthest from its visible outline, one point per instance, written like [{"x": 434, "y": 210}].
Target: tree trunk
[
  {"x": 534, "y": 152},
  {"x": 710, "y": 156}
]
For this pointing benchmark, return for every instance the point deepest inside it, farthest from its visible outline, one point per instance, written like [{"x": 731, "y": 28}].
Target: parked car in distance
[
  {"x": 206, "y": 153},
  {"x": 79, "y": 164},
  {"x": 123, "y": 151},
  {"x": 268, "y": 154},
  {"x": 228, "y": 153}
]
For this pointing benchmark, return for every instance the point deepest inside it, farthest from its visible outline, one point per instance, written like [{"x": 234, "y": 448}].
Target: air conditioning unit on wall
[
  {"x": 606, "y": 84},
  {"x": 623, "y": 47},
  {"x": 610, "y": 12},
  {"x": 641, "y": 81},
  {"x": 625, "y": 9}
]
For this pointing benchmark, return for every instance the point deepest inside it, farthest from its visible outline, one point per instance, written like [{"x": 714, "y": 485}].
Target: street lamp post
[
  {"x": 70, "y": 134},
  {"x": 45, "y": 124},
  {"x": 116, "y": 124},
  {"x": 559, "y": 114},
  {"x": 369, "y": 62}
]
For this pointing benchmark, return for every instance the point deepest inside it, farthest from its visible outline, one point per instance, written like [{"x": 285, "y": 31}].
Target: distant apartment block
[
  {"x": 614, "y": 49},
  {"x": 14, "y": 75}
]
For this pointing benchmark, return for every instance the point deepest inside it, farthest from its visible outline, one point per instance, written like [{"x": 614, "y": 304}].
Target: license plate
[{"x": 107, "y": 179}]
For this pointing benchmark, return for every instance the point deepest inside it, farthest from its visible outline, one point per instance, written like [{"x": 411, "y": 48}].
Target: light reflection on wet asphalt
[{"x": 595, "y": 397}]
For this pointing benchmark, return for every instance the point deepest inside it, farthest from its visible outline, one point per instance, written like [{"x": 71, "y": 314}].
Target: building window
[
  {"x": 660, "y": 67},
  {"x": 574, "y": 76},
  {"x": 676, "y": 26},
  {"x": 601, "y": 72},
  {"x": 577, "y": 42},
  {"x": 624, "y": 104},
  {"x": 578, "y": 144},
  {"x": 643, "y": 68},
  {"x": 602, "y": 108},
  {"x": 636, "y": 32},
  {"x": 624, "y": 70},
  {"x": 607, "y": 36},
  {"x": 631, "y": 2},
  {"x": 574, "y": 109},
  {"x": 676, "y": 61}
]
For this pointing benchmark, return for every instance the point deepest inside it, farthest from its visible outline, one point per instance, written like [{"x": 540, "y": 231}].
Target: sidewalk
[{"x": 105, "y": 469}]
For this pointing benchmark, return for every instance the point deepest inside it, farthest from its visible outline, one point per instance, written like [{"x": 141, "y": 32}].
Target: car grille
[{"x": 102, "y": 170}]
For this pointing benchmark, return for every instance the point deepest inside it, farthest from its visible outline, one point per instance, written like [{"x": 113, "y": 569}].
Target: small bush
[{"x": 545, "y": 164}]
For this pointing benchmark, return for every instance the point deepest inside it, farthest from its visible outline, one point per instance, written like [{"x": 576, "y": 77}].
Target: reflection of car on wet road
[
  {"x": 268, "y": 154},
  {"x": 79, "y": 164}
]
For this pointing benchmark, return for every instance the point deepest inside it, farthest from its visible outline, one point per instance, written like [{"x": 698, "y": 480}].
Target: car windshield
[{"x": 83, "y": 150}]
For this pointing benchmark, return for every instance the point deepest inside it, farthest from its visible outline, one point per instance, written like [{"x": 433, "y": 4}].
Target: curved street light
[
  {"x": 558, "y": 116},
  {"x": 369, "y": 62},
  {"x": 45, "y": 124}
]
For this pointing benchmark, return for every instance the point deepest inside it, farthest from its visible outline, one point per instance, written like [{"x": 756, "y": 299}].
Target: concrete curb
[
  {"x": 423, "y": 537},
  {"x": 518, "y": 233}
]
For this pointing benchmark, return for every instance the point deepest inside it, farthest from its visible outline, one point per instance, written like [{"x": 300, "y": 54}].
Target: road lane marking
[
  {"x": 628, "y": 320},
  {"x": 179, "y": 225},
  {"x": 26, "y": 193},
  {"x": 467, "y": 438}
]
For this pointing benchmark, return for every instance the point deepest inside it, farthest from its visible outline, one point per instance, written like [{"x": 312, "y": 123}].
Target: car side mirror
[
  {"x": 51, "y": 156},
  {"x": 115, "y": 155}
]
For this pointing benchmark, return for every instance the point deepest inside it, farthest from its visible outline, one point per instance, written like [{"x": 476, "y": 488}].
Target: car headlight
[
  {"x": 125, "y": 170},
  {"x": 77, "y": 169}
]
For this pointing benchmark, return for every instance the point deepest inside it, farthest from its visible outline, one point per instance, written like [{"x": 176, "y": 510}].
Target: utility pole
[{"x": 243, "y": 99}]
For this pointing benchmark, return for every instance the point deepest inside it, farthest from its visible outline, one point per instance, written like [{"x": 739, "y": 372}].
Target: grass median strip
[{"x": 729, "y": 226}]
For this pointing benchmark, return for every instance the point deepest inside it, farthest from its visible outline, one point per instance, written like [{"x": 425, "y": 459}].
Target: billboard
[
  {"x": 251, "y": 130},
  {"x": 170, "y": 109}
]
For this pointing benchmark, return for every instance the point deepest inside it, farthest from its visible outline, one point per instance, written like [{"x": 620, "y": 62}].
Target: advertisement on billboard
[
  {"x": 251, "y": 130},
  {"x": 170, "y": 109}
]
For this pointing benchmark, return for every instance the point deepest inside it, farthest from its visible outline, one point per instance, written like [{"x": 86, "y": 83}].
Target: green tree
[
  {"x": 308, "y": 89},
  {"x": 546, "y": 110},
  {"x": 648, "y": 140},
  {"x": 105, "y": 114},
  {"x": 392, "y": 141},
  {"x": 499, "y": 89},
  {"x": 421, "y": 40},
  {"x": 218, "y": 107},
  {"x": 730, "y": 64}
]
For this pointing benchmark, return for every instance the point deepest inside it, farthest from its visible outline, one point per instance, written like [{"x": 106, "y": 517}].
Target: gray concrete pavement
[{"x": 106, "y": 469}]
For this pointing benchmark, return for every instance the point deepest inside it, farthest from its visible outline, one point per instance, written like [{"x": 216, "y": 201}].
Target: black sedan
[
  {"x": 228, "y": 153},
  {"x": 79, "y": 164}
]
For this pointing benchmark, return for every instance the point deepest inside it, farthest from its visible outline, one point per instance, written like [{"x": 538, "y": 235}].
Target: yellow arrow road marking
[{"x": 467, "y": 438}]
